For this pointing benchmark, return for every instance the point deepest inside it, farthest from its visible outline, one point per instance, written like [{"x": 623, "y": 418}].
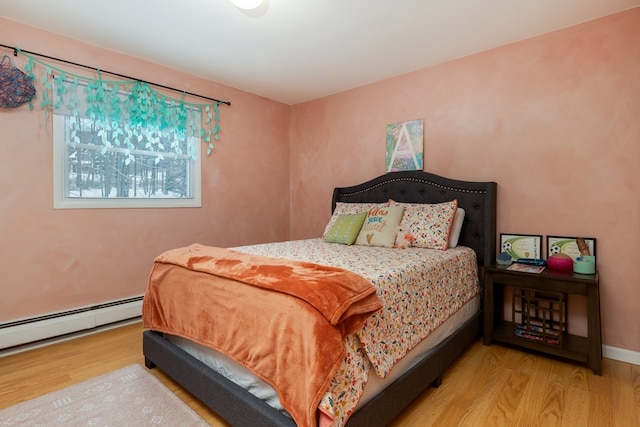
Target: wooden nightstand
[{"x": 538, "y": 321}]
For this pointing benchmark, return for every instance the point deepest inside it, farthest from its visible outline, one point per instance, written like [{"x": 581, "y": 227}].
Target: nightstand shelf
[
  {"x": 539, "y": 306},
  {"x": 573, "y": 347}
]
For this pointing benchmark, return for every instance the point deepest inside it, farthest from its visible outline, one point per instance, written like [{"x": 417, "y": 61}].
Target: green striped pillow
[{"x": 345, "y": 229}]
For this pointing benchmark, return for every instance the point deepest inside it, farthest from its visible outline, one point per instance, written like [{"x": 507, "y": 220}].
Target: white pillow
[{"x": 454, "y": 235}]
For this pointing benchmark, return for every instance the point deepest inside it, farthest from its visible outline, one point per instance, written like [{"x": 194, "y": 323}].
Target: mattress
[
  {"x": 425, "y": 294},
  {"x": 250, "y": 382}
]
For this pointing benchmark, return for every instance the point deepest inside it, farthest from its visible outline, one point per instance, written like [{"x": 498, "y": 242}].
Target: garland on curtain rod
[{"x": 132, "y": 105}]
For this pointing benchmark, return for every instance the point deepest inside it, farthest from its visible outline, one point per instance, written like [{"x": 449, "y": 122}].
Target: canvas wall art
[{"x": 404, "y": 146}]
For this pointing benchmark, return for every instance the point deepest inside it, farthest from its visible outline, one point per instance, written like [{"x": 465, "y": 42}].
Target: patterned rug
[{"x": 127, "y": 397}]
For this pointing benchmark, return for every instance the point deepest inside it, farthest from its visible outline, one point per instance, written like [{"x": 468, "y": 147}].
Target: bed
[{"x": 241, "y": 408}]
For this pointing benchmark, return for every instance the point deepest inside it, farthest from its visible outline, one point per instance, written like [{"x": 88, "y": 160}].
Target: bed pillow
[
  {"x": 345, "y": 229},
  {"x": 348, "y": 208},
  {"x": 454, "y": 236},
  {"x": 429, "y": 225},
  {"x": 380, "y": 226}
]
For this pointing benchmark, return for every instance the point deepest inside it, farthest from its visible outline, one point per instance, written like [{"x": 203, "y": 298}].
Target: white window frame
[{"x": 61, "y": 177}]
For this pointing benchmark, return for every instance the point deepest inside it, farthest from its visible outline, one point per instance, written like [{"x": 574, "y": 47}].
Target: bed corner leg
[
  {"x": 149, "y": 364},
  {"x": 437, "y": 382}
]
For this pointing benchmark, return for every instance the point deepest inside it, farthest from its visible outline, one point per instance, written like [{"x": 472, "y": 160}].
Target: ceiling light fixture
[{"x": 247, "y": 4}]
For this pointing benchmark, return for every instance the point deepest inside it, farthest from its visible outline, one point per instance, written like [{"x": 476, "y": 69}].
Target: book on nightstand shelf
[
  {"x": 537, "y": 333},
  {"x": 526, "y": 268}
]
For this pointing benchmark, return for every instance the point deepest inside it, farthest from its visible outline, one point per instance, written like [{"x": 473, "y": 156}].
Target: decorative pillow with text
[{"x": 380, "y": 226}]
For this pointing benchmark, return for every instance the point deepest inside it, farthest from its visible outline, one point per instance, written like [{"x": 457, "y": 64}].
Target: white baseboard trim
[
  {"x": 621, "y": 354},
  {"x": 33, "y": 330},
  {"x": 27, "y": 334},
  {"x": 67, "y": 337}
]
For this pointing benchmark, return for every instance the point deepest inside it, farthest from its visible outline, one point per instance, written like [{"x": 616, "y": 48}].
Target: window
[
  {"x": 102, "y": 165},
  {"x": 122, "y": 143}
]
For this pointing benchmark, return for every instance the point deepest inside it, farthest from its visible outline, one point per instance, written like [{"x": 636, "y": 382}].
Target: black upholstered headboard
[{"x": 478, "y": 199}]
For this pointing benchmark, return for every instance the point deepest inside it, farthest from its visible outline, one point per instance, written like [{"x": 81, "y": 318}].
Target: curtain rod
[{"x": 15, "y": 53}]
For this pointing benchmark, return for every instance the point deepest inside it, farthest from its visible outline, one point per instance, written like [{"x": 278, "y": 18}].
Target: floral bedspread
[{"x": 419, "y": 290}]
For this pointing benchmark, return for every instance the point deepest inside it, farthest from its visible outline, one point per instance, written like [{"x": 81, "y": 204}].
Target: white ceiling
[{"x": 298, "y": 50}]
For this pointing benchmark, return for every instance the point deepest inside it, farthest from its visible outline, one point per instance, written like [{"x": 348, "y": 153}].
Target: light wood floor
[{"x": 486, "y": 386}]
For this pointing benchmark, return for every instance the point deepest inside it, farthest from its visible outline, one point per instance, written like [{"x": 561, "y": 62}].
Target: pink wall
[
  {"x": 554, "y": 120},
  {"x": 60, "y": 259}
]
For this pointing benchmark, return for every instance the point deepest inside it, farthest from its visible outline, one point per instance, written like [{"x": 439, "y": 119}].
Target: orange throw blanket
[{"x": 284, "y": 320}]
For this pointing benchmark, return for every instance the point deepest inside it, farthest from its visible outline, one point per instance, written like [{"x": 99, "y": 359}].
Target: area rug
[{"x": 128, "y": 397}]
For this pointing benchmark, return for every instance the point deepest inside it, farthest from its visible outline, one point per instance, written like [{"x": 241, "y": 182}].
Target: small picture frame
[
  {"x": 568, "y": 245},
  {"x": 521, "y": 245}
]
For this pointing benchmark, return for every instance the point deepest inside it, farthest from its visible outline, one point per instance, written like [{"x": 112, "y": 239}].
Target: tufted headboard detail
[{"x": 478, "y": 199}]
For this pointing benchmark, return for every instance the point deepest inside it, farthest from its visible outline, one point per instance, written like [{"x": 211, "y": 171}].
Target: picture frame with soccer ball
[
  {"x": 521, "y": 245},
  {"x": 569, "y": 246}
]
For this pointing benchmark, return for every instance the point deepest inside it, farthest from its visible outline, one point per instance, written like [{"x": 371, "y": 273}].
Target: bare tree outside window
[
  {"x": 122, "y": 166},
  {"x": 105, "y": 157}
]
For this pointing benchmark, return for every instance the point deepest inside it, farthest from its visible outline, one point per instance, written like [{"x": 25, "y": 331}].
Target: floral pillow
[
  {"x": 380, "y": 226},
  {"x": 348, "y": 208},
  {"x": 426, "y": 225}
]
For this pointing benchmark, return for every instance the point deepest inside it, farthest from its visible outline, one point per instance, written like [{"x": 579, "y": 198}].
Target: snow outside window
[{"x": 114, "y": 165}]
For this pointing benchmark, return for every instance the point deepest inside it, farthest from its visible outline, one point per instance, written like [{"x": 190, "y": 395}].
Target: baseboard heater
[{"x": 30, "y": 330}]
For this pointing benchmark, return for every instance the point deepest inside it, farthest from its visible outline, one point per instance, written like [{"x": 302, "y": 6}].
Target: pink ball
[{"x": 560, "y": 262}]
